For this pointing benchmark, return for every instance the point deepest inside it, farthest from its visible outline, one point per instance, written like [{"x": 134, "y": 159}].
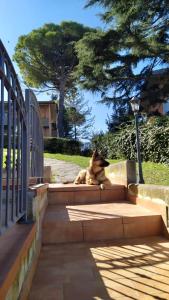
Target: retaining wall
[{"x": 20, "y": 247}]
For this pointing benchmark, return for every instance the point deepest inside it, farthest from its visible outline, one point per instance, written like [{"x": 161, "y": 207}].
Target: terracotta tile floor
[{"x": 130, "y": 269}]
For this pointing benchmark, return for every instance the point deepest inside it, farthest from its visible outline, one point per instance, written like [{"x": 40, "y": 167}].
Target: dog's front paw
[{"x": 102, "y": 186}]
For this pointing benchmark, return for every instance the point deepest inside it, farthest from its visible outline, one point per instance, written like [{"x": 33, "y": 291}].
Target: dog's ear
[{"x": 95, "y": 153}]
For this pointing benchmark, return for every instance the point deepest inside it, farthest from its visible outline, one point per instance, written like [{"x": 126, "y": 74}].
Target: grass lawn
[
  {"x": 4, "y": 157},
  {"x": 81, "y": 161},
  {"x": 156, "y": 173},
  {"x": 153, "y": 173}
]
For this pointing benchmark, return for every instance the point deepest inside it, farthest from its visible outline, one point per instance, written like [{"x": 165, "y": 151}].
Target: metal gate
[{"x": 20, "y": 135}]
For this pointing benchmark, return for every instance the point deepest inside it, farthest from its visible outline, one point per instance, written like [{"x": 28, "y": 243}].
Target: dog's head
[{"x": 97, "y": 161}]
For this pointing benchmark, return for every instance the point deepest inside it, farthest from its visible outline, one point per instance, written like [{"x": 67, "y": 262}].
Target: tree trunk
[
  {"x": 60, "y": 116},
  {"x": 75, "y": 133}
]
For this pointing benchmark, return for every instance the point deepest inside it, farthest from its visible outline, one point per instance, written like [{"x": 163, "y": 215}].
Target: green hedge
[
  {"x": 154, "y": 138},
  {"x": 62, "y": 145}
]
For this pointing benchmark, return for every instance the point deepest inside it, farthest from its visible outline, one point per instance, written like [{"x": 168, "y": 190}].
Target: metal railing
[
  {"x": 19, "y": 128},
  {"x": 35, "y": 136},
  {"x": 13, "y": 139}
]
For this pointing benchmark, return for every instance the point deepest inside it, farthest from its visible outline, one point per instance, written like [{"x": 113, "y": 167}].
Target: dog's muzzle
[{"x": 105, "y": 164}]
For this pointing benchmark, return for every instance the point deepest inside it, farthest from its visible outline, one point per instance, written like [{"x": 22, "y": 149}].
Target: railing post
[
  {"x": 35, "y": 136},
  {"x": 1, "y": 147}
]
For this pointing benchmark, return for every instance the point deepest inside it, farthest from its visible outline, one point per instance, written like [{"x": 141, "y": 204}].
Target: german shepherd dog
[{"x": 95, "y": 173}]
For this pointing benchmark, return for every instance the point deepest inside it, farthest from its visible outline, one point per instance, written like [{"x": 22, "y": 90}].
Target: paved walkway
[
  {"x": 136, "y": 269},
  {"x": 62, "y": 172}
]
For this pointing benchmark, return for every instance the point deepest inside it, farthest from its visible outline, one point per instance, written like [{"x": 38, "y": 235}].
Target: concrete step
[
  {"x": 72, "y": 194},
  {"x": 99, "y": 222}
]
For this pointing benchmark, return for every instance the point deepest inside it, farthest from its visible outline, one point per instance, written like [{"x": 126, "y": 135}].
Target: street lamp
[{"x": 135, "y": 105}]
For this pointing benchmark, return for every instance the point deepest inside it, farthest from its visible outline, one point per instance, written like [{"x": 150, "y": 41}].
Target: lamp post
[{"x": 135, "y": 105}]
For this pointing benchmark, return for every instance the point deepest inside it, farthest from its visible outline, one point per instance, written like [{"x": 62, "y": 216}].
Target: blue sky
[{"x": 19, "y": 17}]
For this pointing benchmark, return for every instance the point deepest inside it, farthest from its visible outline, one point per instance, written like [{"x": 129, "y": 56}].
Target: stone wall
[
  {"x": 122, "y": 173},
  {"x": 47, "y": 174},
  {"x": 153, "y": 197}
]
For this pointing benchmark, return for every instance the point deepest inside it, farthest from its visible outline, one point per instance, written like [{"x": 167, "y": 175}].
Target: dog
[{"x": 95, "y": 173}]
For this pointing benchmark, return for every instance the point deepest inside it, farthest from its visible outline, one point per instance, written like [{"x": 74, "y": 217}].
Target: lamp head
[{"x": 135, "y": 104}]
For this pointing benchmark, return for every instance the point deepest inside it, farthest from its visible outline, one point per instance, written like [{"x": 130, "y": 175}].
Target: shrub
[
  {"x": 62, "y": 145},
  {"x": 154, "y": 140},
  {"x": 155, "y": 144}
]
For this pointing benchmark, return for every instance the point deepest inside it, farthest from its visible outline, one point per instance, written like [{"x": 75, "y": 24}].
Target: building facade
[{"x": 48, "y": 114}]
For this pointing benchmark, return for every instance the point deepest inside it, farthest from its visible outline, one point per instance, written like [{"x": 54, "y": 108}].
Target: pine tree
[
  {"x": 120, "y": 61},
  {"x": 46, "y": 58},
  {"x": 79, "y": 116}
]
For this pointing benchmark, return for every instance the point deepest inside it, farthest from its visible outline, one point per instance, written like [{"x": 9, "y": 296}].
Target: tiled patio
[
  {"x": 96, "y": 245},
  {"x": 134, "y": 269}
]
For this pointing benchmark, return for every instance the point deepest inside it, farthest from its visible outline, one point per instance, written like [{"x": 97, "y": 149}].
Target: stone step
[
  {"x": 99, "y": 222},
  {"x": 71, "y": 194}
]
